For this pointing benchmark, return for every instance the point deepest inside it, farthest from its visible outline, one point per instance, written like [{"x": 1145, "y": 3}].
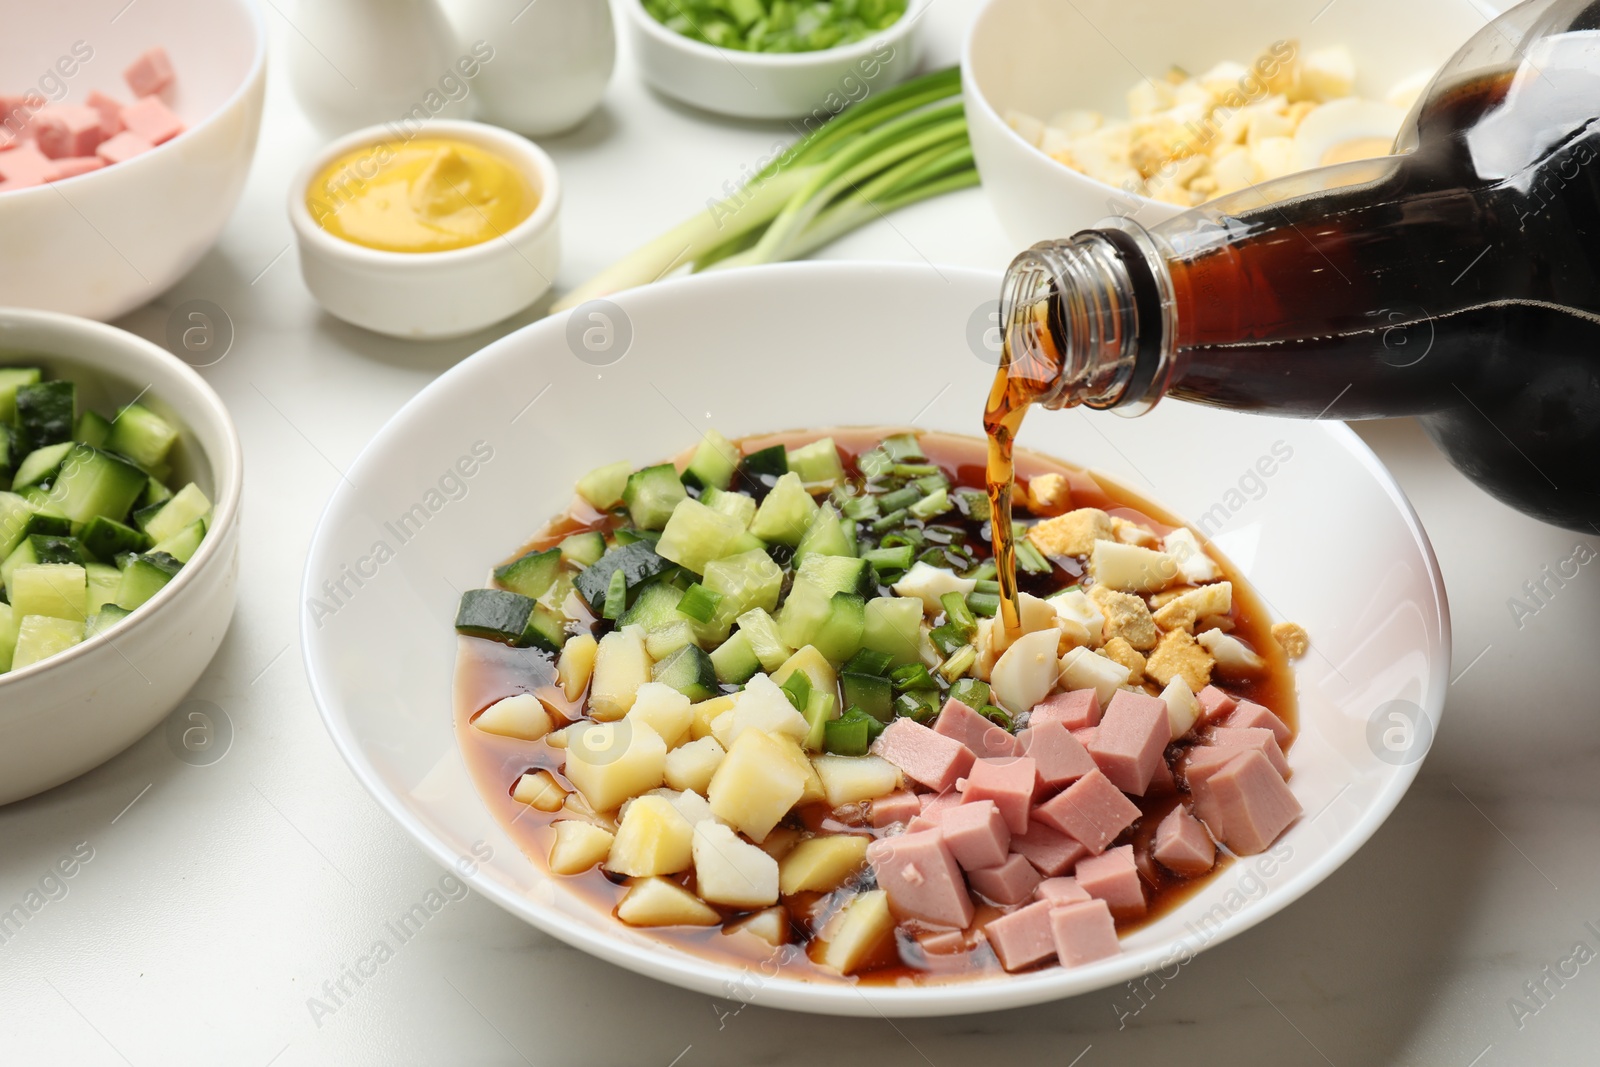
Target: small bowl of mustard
[{"x": 428, "y": 232}]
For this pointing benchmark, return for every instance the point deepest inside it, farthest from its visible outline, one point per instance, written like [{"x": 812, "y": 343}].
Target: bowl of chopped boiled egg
[{"x": 1079, "y": 111}]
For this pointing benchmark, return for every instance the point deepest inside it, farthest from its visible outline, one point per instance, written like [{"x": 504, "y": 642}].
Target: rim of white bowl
[
  {"x": 258, "y": 64},
  {"x": 529, "y": 158},
  {"x": 899, "y": 29},
  {"x": 227, "y": 469},
  {"x": 969, "y": 82},
  {"x": 842, "y": 998}
]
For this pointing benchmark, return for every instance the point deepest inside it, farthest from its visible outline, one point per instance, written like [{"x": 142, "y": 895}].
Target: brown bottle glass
[{"x": 1457, "y": 281}]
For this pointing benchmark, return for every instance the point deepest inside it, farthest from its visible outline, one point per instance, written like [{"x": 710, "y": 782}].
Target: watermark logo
[
  {"x": 599, "y": 333},
  {"x": 1399, "y": 732},
  {"x": 199, "y": 733},
  {"x": 1407, "y": 334},
  {"x": 200, "y": 333},
  {"x": 983, "y": 333}
]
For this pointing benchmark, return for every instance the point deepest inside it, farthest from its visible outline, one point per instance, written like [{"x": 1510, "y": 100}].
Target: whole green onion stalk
[{"x": 891, "y": 149}]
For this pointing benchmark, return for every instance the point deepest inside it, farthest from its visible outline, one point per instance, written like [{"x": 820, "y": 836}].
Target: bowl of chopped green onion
[{"x": 788, "y": 59}]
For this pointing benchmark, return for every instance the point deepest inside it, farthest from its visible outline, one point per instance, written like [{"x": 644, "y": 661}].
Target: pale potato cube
[
  {"x": 722, "y": 729},
  {"x": 1079, "y": 617},
  {"x": 1233, "y": 656},
  {"x": 865, "y": 929},
  {"x": 557, "y": 738},
  {"x": 781, "y": 842},
  {"x": 822, "y": 864},
  {"x": 706, "y": 712},
  {"x": 1193, "y": 562},
  {"x": 769, "y": 924},
  {"x": 815, "y": 666},
  {"x": 664, "y": 710},
  {"x": 653, "y": 838},
  {"x": 1131, "y": 569},
  {"x": 812, "y": 792},
  {"x": 1082, "y": 669},
  {"x": 1075, "y": 121},
  {"x": 1274, "y": 157},
  {"x": 658, "y": 902},
  {"x": 539, "y": 789},
  {"x": 577, "y": 807},
  {"x": 1131, "y": 533},
  {"x": 578, "y": 847},
  {"x": 756, "y": 784},
  {"x": 691, "y": 805},
  {"x": 1149, "y": 97},
  {"x": 1183, "y": 708},
  {"x": 1026, "y": 672},
  {"x": 763, "y": 706},
  {"x": 576, "y": 664},
  {"x": 731, "y": 871},
  {"x": 610, "y": 762},
  {"x": 848, "y": 779},
  {"x": 928, "y": 583},
  {"x": 1328, "y": 73},
  {"x": 520, "y": 716},
  {"x": 691, "y": 766},
  {"x": 621, "y": 666}
]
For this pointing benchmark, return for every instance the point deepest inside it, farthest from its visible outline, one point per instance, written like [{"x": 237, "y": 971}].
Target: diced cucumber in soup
[
  {"x": 11, "y": 379},
  {"x": 715, "y": 460},
  {"x": 817, "y": 463},
  {"x": 651, "y": 494},
  {"x": 187, "y": 505},
  {"x": 141, "y": 435},
  {"x": 40, "y": 465},
  {"x": 144, "y": 577},
  {"x": 92, "y": 483},
  {"x": 46, "y": 412},
  {"x": 530, "y": 574},
  {"x": 689, "y": 671}
]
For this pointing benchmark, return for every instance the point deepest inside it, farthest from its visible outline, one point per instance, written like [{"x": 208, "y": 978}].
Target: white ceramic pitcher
[
  {"x": 356, "y": 63},
  {"x": 552, "y": 59}
]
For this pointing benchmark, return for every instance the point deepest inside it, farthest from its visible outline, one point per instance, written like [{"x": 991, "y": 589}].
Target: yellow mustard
[{"x": 426, "y": 195}]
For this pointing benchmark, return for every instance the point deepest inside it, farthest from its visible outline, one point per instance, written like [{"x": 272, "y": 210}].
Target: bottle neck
[{"x": 1089, "y": 320}]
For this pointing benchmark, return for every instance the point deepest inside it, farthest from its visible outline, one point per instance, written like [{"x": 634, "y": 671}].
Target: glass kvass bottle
[{"x": 1457, "y": 281}]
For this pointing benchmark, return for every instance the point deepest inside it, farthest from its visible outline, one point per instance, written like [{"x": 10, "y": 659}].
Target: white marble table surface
[{"x": 218, "y": 899}]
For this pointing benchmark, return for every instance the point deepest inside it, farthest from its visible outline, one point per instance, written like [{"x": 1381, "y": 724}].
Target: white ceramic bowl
[
  {"x": 816, "y": 344},
  {"x": 72, "y": 712},
  {"x": 1043, "y": 56},
  {"x": 108, "y": 241},
  {"x": 433, "y": 295},
  {"x": 757, "y": 85}
]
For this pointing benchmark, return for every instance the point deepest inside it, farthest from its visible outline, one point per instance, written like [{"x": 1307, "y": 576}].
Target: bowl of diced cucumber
[{"x": 119, "y": 485}]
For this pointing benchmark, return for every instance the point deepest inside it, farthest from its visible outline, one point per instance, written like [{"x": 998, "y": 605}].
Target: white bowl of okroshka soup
[{"x": 720, "y": 699}]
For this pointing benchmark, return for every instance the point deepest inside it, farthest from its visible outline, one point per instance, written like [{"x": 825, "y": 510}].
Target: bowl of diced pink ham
[{"x": 126, "y": 133}]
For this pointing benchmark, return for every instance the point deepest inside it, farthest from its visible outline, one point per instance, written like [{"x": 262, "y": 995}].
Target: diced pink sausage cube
[
  {"x": 64, "y": 130},
  {"x": 150, "y": 73},
  {"x": 8, "y": 140},
  {"x": 1162, "y": 783},
  {"x": 901, "y": 806},
  {"x": 1060, "y": 758},
  {"x": 1051, "y": 851},
  {"x": 928, "y": 758},
  {"x": 110, "y": 110},
  {"x": 1202, "y": 761},
  {"x": 921, "y": 878},
  {"x": 151, "y": 119},
  {"x": 1074, "y": 710},
  {"x": 1086, "y": 735},
  {"x": 1083, "y": 932},
  {"x": 1061, "y": 891},
  {"x": 1006, "y": 781},
  {"x": 1133, "y": 734},
  {"x": 1010, "y": 883},
  {"x": 1257, "y": 737},
  {"x": 1182, "y": 844},
  {"x": 1215, "y": 704},
  {"x": 960, "y": 723},
  {"x": 1023, "y": 937},
  {"x": 1249, "y": 715},
  {"x": 24, "y": 166},
  {"x": 73, "y": 166},
  {"x": 976, "y": 834},
  {"x": 1112, "y": 877},
  {"x": 1246, "y": 804},
  {"x": 1091, "y": 810},
  {"x": 943, "y": 942},
  {"x": 919, "y": 823},
  {"x": 123, "y": 147}
]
